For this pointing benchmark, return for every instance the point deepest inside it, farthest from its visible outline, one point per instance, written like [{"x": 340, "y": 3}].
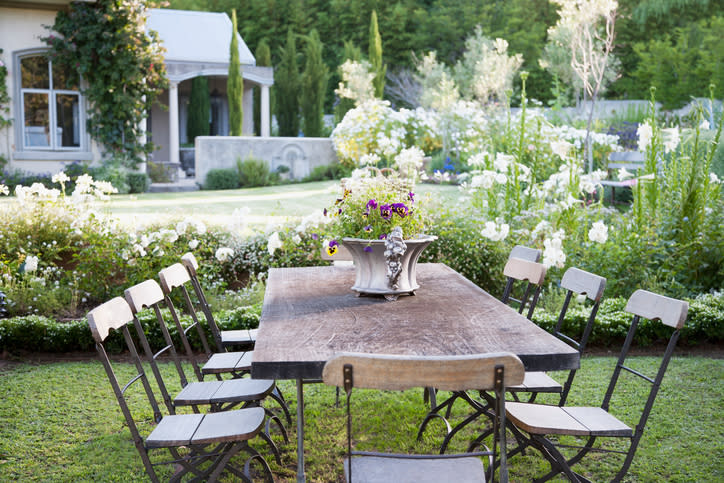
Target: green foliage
[
  {"x": 4, "y": 97},
  {"x": 314, "y": 86},
  {"x": 375, "y": 56},
  {"x": 682, "y": 64},
  {"x": 138, "y": 182},
  {"x": 222, "y": 179},
  {"x": 199, "y": 110},
  {"x": 286, "y": 85},
  {"x": 158, "y": 172},
  {"x": 234, "y": 83},
  {"x": 263, "y": 59},
  {"x": 327, "y": 172},
  {"x": 121, "y": 66},
  {"x": 253, "y": 172}
]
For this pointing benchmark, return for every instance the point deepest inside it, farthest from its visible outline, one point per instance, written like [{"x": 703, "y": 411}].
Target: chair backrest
[
  {"x": 578, "y": 282},
  {"x": 148, "y": 294},
  {"x": 175, "y": 278},
  {"x": 454, "y": 373},
  {"x": 518, "y": 269},
  {"x": 188, "y": 260},
  {"x": 670, "y": 312},
  {"x": 525, "y": 253},
  {"x": 116, "y": 314},
  {"x": 400, "y": 372}
]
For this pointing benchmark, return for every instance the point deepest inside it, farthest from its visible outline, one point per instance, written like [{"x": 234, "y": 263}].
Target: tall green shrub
[
  {"x": 286, "y": 82},
  {"x": 375, "y": 55},
  {"x": 314, "y": 87},
  {"x": 263, "y": 59},
  {"x": 234, "y": 84},
  {"x": 199, "y": 109}
]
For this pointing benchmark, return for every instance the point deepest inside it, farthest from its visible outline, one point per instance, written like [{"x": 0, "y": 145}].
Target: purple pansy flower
[
  {"x": 368, "y": 248},
  {"x": 368, "y": 228},
  {"x": 411, "y": 195},
  {"x": 400, "y": 208},
  {"x": 372, "y": 205},
  {"x": 383, "y": 236},
  {"x": 386, "y": 212}
]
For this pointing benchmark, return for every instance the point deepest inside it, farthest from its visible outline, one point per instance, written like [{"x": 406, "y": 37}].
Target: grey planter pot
[{"x": 386, "y": 267}]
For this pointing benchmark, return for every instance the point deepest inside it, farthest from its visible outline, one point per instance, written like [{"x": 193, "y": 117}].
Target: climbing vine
[{"x": 122, "y": 66}]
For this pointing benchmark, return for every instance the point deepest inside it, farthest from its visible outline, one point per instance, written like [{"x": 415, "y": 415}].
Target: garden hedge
[{"x": 705, "y": 324}]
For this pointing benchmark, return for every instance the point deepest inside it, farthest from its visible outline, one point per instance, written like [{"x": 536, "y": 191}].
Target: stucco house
[{"x": 48, "y": 128}]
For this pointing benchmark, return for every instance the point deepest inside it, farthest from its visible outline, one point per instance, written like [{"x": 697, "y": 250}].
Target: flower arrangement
[{"x": 371, "y": 204}]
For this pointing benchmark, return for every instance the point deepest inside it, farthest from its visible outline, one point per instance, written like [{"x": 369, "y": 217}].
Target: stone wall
[{"x": 300, "y": 155}]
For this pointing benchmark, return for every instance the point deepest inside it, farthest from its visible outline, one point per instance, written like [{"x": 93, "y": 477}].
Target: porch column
[
  {"x": 173, "y": 143},
  {"x": 265, "y": 122}
]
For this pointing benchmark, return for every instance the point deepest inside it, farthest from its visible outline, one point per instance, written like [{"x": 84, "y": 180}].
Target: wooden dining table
[{"x": 311, "y": 314}]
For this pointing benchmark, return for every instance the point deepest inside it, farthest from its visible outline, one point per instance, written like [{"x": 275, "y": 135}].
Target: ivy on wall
[
  {"x": 122, "y": 66},
  {"x": 4, "y": 103}
]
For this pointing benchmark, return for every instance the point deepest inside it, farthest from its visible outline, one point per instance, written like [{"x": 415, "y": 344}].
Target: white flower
[
  {"x": 409, "y": 161},
  {"x": 598, "y": 232},
  {"x": 714, "y": 178},
  {"x": 494, "y": 232},
  {"x": 139, "y": 249},
  {"x": 273, "y": 243},
  {"x": 4, "y": 190},
  {"x": 561, "y": 148},
  {"x": 296, "y": 239},
  {"x": 704, "y": 125},
  {"x": 169, "y": 236},
  {"x": 645, "y": 133},
  {"x": 624, "y": 175},
  {"x": 502, "y": 161},
  {"x": 224, "y": 254},
  {"x": 31, "y": 264},
  {"x": 553, "y": 252},
  {"x": 671, "y": 138},
  {"x": 369, "y": 160},
  {"x": 193, "y": 244},
  {"x": 478, "y": 160},
  {"x": 60, "y": 178}
]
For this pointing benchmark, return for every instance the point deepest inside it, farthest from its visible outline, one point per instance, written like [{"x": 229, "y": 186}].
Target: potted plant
[{"x": 378, "y": 218}]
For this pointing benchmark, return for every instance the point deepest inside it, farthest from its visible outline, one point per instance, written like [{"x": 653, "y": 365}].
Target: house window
[{"x": 50, "y": 106}]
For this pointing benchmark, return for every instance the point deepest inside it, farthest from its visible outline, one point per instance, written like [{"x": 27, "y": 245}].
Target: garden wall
[{"x": 300, "y": 155}]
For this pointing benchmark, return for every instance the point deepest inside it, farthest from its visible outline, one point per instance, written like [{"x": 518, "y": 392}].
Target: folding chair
[
  {"x": 219, "y": 395},
  {"x": 399, "y": 372},
  {"x": 516, "y": 269},
  {"x": 200, "y": 444},
  {"x": 575, "y": 282},
  {"x": 540, "y": 421},
  {"x": 237, "y": 364},
  {"x": 243, "y": 339},
  {"x": 522, "y": 270}
]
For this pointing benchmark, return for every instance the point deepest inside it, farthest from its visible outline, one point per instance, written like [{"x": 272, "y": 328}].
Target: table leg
[{"x": 300, "y": 431}]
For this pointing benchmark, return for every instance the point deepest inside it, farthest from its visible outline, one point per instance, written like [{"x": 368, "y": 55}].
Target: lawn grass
[
  {"x": 61, "y": 422},
  {"x": 270, "y": 204}
]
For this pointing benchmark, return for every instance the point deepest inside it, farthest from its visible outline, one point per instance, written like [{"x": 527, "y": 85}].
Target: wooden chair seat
[
  {"x": 224, "y": 362},
  {"x": 193, "y": 429},
  {"x": 537, "y": 382},
  {"x": 575, "y": 421},
  {"x": 375, "y": 469},
  {"x": 217, "y": 392},
  {"x": 244, "y": 338}
]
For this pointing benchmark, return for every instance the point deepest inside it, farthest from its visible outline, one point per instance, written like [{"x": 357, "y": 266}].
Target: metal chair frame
[
  {"x": 641, "y": 304},
  {"x": 245, "y": 394},
  {"x": 246, "y": 342},
  {"x": 116, "y": 314}
]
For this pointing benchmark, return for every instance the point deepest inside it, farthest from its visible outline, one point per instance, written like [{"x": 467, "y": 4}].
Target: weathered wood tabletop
[{"x": 310, "y": 314}]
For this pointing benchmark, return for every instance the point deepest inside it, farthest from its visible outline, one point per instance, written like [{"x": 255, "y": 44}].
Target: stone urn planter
[{"x": 386, "y": 267}]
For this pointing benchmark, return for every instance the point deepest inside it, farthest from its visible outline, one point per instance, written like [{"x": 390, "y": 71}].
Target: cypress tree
[
  {"x": 263, "y": 59},
  {"x": 314, "y": 86},
  {"x": 286, "y": 83},
  {"x": 199, "y": 107},
  {"x": 234, "y": 84},
  {"x": 375, "y": 56}
]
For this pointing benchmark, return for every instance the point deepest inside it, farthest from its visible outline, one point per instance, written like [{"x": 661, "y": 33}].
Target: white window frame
[{"x": 53, "y": 151}]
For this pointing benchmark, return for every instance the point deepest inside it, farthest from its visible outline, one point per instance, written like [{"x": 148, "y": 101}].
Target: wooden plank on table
[{"x": 310, "y": 314}]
